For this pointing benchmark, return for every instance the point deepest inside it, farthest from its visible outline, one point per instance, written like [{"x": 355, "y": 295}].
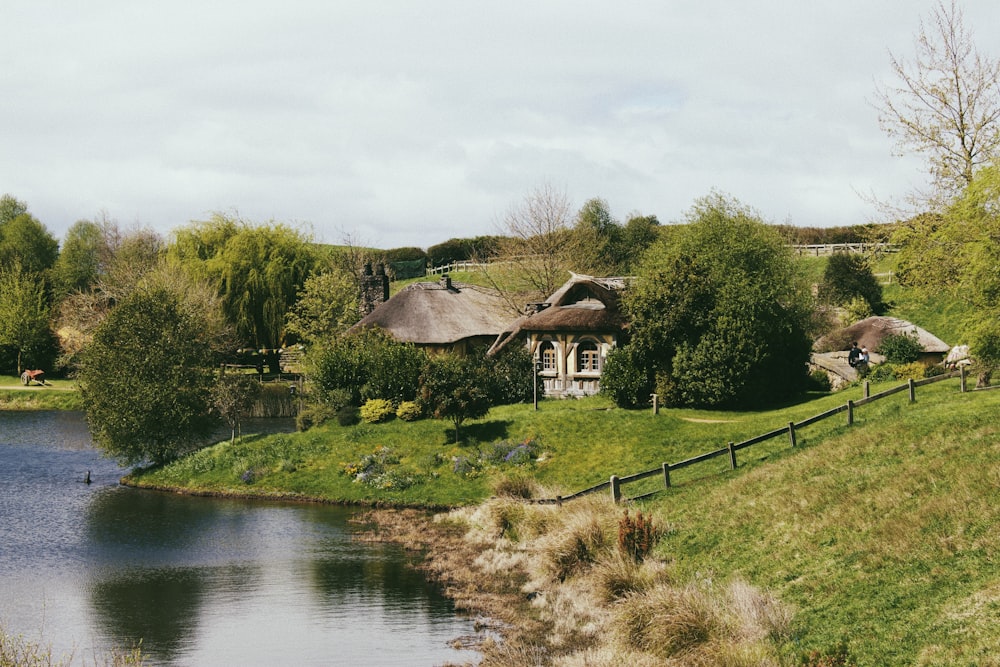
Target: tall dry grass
[{"x": 562, "y": 591}]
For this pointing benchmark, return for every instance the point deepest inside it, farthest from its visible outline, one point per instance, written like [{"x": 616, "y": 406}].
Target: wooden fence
[{"x": 616, "y": 483}]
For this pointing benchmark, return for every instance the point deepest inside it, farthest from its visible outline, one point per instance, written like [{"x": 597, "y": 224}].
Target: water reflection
[
  {"x": 199, "y": 581},
  {"x": 160, "y": 608}
]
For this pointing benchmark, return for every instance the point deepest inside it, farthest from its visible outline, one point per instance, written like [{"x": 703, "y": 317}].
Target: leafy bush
[
  {"x": 848, "y": 278},
  {"x": 819, "y": 381},
  {"x": 347, "y": 416},
  {"x": 626, "y": 378},
  {"x": 881, "y": 373},
  {"x": 377, "y": 410},
  {"x": 314, "y": 414},
  {"x": 369, "y": 364},
  {"x": 900, "y": 348},
  {"x": 409, "y": 411},
  {"x": 912, "y": 371}
]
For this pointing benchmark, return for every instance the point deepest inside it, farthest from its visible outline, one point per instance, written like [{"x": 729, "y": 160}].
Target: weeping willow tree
[{"x": 257, "y": 269}]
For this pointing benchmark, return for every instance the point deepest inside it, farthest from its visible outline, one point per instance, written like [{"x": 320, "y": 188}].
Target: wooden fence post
[
  {"x": 868, "y": 389},
  {"x": 666, "y": 474},
  {"x": 961, "y": 372},
  {"x": 732, "y": 456},
  {"x": 791, "y": 433},
  {"x": 913, "y": 390},
  {"x": 616, "y": 490},
  {"x": 656, "y": 403},
  {"x": 850, "y": 413}
]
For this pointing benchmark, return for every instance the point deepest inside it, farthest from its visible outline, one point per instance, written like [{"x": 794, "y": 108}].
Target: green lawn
[
  {"x": 885, "y": 534},
  {"x": 55, "y": 395}
]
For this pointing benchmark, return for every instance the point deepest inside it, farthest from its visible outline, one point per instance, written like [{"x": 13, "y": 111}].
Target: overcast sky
[{"x": 406, "y": 123}]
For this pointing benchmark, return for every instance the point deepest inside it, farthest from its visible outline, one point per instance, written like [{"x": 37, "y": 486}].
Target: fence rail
[{"x": 615, "y": 483}]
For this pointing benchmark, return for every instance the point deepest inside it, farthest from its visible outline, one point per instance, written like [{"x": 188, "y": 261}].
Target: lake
[{"x": 201, "y": 581}]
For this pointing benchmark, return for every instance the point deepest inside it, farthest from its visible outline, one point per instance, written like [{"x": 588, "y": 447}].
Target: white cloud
[{"x": 410, "y": 123}]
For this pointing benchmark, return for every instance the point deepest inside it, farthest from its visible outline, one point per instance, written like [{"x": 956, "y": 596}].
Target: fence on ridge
[{"x": 615, "y": 483}]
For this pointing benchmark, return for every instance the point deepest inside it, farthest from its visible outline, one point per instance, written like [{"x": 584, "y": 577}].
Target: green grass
[
  {"x": 884, "y": 534},
  {"x": 56, "y": 395}
]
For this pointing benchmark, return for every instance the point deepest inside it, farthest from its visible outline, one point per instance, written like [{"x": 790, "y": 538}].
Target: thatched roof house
[
  {"x": 571, "y": 333},
  {"x": 441, "y": 316},
  {"x": 870, "y": 331},
  {"x": 830, "y": 351}
]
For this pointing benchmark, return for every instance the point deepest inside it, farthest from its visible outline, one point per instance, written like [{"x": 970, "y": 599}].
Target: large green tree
[
  {"x": 326, "y": 306},
  {"x": 146, "y": 378},
  {"x": 258, "y": 271},
  {"x": 79, "y": 263},
  {"x": 719, "y": 315},
  {"x": 24, "y": 239},
  {"x": 956, "y": 254},
  {"x": 24, "y": 315}
]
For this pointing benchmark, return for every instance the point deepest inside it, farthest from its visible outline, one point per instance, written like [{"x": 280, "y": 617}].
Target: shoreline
[{"x": 281, "y": 496}]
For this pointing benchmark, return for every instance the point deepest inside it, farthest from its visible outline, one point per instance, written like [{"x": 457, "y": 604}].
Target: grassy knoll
[
  {"x": 884, "y": 535},
  {"x": 56, "y": 395},
  {"x": 577, "y": 443}
]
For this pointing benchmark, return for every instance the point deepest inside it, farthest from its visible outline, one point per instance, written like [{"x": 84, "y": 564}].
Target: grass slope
[{"x": 885, "y": 535}]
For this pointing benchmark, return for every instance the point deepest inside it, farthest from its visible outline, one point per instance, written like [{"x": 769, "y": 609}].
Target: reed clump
[{"x": 588, "y": 584}]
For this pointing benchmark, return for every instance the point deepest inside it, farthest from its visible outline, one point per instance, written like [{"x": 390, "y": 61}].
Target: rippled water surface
[{"x": 200, "y": 581}]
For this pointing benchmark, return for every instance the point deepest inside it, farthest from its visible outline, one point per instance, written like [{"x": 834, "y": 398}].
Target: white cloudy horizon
[{"x": 406, "y": 124}]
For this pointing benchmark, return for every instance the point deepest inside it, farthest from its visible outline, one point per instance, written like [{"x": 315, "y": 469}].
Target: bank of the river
[{"x": 53, "y": 395}]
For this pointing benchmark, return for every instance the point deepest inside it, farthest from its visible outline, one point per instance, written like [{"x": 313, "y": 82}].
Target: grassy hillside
[{"x": 884, "y": 535}]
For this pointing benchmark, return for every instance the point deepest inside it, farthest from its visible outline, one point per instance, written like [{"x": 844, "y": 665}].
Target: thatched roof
[
  {"x": 440, "y": 313},
  {"x": 870, "y": 331},
  {"x": 582, "y": 304}
]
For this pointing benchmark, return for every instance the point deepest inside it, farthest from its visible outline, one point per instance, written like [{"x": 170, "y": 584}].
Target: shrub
[
  {"x": 881, "y": 373},
  {"x": 347, "y": 416},
  {"x": 900, "y": 348},
  {"x": 637, "y": 537},
  {"x": 377, "y": 410},
  {"x": 409, "y": 411},
  {"x": 819, "y": 381},
  {"x": 464, "y": 466},
  {"x": 314, "y": 414},
  {"x": 912, "y": 371}
]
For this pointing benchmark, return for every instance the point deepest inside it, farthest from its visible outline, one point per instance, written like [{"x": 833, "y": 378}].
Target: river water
[{"x": 200, "y": 581}]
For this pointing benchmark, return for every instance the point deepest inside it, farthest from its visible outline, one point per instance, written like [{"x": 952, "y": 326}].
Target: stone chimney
[{"x": 374, "y": 288}]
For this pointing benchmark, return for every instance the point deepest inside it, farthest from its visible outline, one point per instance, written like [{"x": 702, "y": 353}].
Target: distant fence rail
[
  {"x": 615, "y": 483},
  {"x": 819, "y": 249}
]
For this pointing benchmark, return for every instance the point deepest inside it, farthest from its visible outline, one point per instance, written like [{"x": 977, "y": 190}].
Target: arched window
[
  {"x": 588, "y": 358},
  {"x": 547, "y": 352}
]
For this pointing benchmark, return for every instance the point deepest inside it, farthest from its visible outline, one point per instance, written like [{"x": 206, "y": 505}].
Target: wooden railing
[{"x": 616, "y": 483}]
